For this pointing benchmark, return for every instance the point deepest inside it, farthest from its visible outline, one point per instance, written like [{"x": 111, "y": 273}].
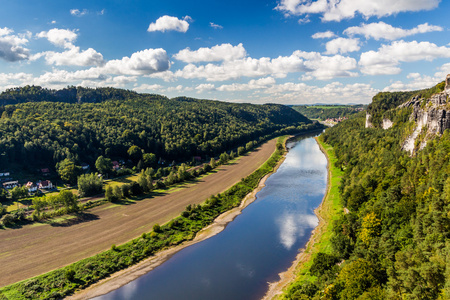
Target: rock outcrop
[
  {"x": 387, "y": 123},
  {"x": 431, "y": 117},
  {"x": 368, "y": 123}
]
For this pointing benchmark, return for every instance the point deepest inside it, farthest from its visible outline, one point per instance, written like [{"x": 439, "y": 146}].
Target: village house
[
  {"x": 10, "y": 184},
  {"x": 116, "y": 165},
  {"x": 31, "y": 186},
  {"x": 45, "y": 184}
]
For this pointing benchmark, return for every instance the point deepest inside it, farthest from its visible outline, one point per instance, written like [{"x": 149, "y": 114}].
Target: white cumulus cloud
[
  {"x": 60, "y": 37},
  {"x": 149, "y": 88},
  {"x": 312, "y": 63},
  {"x": 328, "y": 67},
  {"x": 168, "y": 23},
  {"x": 11, "y": 46},
  {"x": 246, "y": 67},
  {"x": 385, "y": 31},
  {"x": 253, "y": 84},
  {"x": 388, "y": 57},
  {"x": 143, "y": 62},
  {"x": 332, "y": 10},
  {"x": 73, "y": 57},
  {"x": 342, "y": 45},
  {"x": 205, "y": 87},
  {"x": 217, "y": 53},
  {"x": 323, "y": 35}
]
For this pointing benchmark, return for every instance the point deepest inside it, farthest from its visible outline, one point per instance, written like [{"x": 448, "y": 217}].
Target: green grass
[{"x": 330, "y": 210}]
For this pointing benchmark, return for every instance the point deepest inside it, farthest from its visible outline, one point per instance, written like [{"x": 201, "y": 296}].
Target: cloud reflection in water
[{"x": 292, "y": 226}]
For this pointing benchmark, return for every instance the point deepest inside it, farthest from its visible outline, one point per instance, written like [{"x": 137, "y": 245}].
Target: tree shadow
[
  {"x": 148, "y": 196},
  {"x": 126, "y": 201},
  {"x": 122, "y": 180},
  {"x": 16, "y": 225},
  {"x": 81, "y": 217}
]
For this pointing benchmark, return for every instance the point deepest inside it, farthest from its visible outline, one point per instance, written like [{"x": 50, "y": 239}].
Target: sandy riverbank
[
  {"x": 287, "y": 277},
  {"x": 123, "y": 277}
]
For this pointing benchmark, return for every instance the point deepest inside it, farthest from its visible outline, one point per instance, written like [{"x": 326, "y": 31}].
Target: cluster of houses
[
  {"x": 8, "y": 183},
  {"x": 333, "y": 121}
]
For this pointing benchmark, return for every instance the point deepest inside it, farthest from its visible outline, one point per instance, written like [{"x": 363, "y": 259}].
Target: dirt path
[{"x": 36, "y": 249}]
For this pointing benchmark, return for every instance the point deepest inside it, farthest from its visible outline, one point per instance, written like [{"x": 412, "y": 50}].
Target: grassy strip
[
  {"x": 329, "y": 210},
  {"x": 64, "y": 281}
]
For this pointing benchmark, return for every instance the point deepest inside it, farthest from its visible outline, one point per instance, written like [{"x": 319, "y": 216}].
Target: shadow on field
[
  {"x": 82, "y": 217},
  {"x": 16, "y": 225}
]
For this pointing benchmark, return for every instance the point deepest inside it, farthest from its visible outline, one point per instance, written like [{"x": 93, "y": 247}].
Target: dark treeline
[
  {"x": 323, "y": 112},
  {"x": 393, "y": 242},
  {"x": 45, "y": 133},
  {"x": 70, "y": 94}
]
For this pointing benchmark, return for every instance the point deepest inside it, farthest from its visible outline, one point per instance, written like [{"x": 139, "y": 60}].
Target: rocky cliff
[
  {"x": 431, "y": 116},
  {"x": 430, "y": 113}
]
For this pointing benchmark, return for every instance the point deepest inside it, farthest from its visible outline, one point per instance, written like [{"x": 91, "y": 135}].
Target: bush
[
  {"x": 2, "y": 210},
  {"x": 156, "y": 228},
  {"x": 7, "y": 219},
  {"x": 323, "y": 262},
  {"x": 69, "y": 274}
]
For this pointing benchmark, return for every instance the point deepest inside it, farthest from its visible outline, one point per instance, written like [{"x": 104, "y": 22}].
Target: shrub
[
  {"x": 156, "y": 228},
  {"x": 69, "y": 274}
]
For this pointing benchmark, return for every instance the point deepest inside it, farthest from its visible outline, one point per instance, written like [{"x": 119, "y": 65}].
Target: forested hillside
[
  {"x": 68, "y": 95},
  {"x": 393, "y": 241},
  {"x": 41, "y": 134},
  {"x": 323, "y": 112}
]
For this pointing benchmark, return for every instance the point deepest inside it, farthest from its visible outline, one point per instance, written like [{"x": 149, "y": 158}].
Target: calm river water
[{"x": 260, "y": 243}]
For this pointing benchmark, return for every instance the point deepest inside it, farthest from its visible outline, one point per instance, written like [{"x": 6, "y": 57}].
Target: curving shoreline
[
  {"x": 123, "y": 277},
  {"x": 287, "y": 277}
]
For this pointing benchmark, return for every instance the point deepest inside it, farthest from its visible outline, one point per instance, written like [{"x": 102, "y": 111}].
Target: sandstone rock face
[
  {"x": 368, "y": 123},
  {"x": 387, "y": 124},
  {"x": 434, "y": 116}
]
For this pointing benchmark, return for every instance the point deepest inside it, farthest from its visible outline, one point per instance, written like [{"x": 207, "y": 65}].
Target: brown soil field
[{"x": 35, "y": 249}]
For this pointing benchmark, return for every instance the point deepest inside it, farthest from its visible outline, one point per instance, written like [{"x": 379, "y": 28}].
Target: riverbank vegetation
[
  {"x": 393, "y": 241},
  {"x": 64, "y": 281}
]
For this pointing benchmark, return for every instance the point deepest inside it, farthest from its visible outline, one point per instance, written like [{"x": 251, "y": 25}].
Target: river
[{"x": 260, "y": 243}]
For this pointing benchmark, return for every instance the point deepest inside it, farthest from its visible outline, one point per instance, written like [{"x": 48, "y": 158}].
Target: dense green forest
[
  {"x": 393, "y": 242},
  {"x": 43, "y": 134},
  {"x": 323, "y": 112},
  {"x": 70, "y": 94}
]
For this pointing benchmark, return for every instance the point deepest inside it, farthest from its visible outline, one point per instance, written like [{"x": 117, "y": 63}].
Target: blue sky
[{"x": 286, "y": 51}]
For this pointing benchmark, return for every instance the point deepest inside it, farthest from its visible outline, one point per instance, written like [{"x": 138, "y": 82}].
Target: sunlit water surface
[{"x": 260, "y": 243}]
